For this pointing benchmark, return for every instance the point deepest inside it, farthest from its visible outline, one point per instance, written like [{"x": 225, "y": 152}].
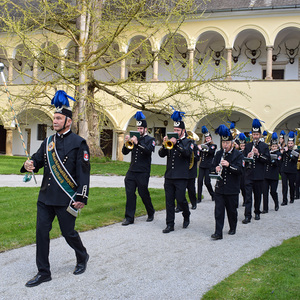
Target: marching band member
[
  {"x": 289, "y": 169},
  {"x": 257, "y": 155},
  {"x": 64, "y": 190},
  {"x": 228, "y": 164},
  {"x": 206, "y": 157},
  {"x": 272, "y": 175},
  {"x": 138, "y": 173},
  {"x": 177, "y": 172},
  {"x": 281, "y": 143}
]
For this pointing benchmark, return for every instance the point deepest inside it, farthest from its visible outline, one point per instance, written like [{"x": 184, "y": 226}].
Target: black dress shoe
[
  {"x": 186, "y": 223},
  {"x": 177, "y": 210},
  {"x": 292, "y": 201},
  {"x": 216, "y": 236},
  {"x": 38, "y": 279},
  {"x": 168, "y": 229},
  {"x": 264, "y": 211},
  {"x": 199, "y": 200},
  {"x": 126, "y": 222},
  {"x": 257, "y": 217},
  {"x": 150, "y": 218},
  {"x": 194, "y": 207},
  {"x": 80, "y": 267},
  {"x": 246, "y": 221},
  {"x": 283, "y": 203},
  {"x": 276, "y": 207},
  {"x": 231, "y": 232}
]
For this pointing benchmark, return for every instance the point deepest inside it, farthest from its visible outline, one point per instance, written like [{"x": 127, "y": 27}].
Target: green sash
[{"x": 58, "y": 170}]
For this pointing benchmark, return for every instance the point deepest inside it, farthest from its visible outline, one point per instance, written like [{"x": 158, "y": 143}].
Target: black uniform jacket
[
  {"x": 196, "y": 158},
  {"x": 178, "y": 159},
  {"x": 272, "y": 167},
  {"x": 74, "y": 154},
  {"x": 229, "y": 184},
  {"x": 255, "y": 169},
  {"x": 141, "y": 154},
  {"x": 206, "y": 157},
  {"x": 289, "y": 162}
]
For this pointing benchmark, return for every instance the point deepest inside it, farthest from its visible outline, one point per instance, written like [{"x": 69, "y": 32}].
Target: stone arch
[
  {"x": 212, "y": 29},
  {"x": 250, "y": 27}
]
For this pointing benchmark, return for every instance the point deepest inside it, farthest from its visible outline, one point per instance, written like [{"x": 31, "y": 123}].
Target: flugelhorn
[
  {"x": 168, "y": 144},
  {"x": 129, "y": 144}
]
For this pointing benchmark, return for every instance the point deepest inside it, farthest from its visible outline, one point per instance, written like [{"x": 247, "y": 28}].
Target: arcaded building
[{"x": 263, "y": 36}]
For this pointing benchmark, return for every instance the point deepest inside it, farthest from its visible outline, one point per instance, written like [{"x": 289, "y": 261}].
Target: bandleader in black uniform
[
  {"x": 177, "y": 172},
  {"x": 227, "y": 163},
  {"x": 272, "y": 175},
  {"x": 206, "y": 157},
  {"x": 65, "y": 159},
  {"x": 289, "y": 169},
  {"x": 138, "y": 174},
  {"x": 257, "y": 153}
]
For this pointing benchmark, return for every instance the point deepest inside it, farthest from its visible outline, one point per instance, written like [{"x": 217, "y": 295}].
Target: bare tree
[{"x": 92, "y": 32}]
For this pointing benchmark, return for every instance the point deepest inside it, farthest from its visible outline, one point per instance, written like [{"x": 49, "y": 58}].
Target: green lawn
[
  {"x": 106, "y": 206},
  {"x": 274, "y": 275},
  {"x": 12, "y": 165}
]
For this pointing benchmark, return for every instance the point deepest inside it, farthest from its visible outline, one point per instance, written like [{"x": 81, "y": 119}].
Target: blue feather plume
[
  {"x": 177, "y": 115},
  {"x": 223, "y": 130},
  {"x": 282, "y": 132},
  {"x": 61, "y": 98},
  {"x": 204, "y": 129},
  {"x": 256, "y": 123},
  {"x": 242, "y": 136},
  {"x": 274, "y": 136},
  {"x": 232, "y": 125},
  {"x": 139, "y": 116},
  {"x": 291, "y": 134},
  {"x": 265, "y": 133}
]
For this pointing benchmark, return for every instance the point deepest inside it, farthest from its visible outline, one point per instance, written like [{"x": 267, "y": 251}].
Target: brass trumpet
[
  {"x": 168, "y": 145},
  {"x": 129, "y": 144}
]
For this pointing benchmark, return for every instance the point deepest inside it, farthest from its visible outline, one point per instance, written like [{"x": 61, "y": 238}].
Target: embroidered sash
[{"x": 58, "y": 170}]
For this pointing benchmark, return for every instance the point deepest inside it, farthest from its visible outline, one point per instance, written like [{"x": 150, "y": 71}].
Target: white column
[
  {"x": 123, "y": 69},
  {"x": 269, "y": 63},
  {"x": 191, "y": 63},
  {"x": 155, "y": 66},
  {"x": 10, "y": 71},
  {"x": 228, "y": 64},
  {"x": 35, "y": 71}
]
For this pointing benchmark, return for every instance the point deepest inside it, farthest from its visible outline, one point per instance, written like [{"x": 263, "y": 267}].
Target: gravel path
[{"x": 140, "y": 262}]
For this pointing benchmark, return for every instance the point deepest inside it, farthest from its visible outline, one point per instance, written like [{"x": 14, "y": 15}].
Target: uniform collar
[{"x": 64, "y": 134}]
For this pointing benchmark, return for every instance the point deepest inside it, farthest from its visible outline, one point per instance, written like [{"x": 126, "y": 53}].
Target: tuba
[
  {"x": 269, "y": 137},
  {"x": 193, "y": 136}
]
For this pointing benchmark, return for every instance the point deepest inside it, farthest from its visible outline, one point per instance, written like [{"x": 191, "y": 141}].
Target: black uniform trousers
[
  {"x": 139, "y": 181},
  {"x": 270, "y": 184},
  {"x": 297, "y": 188},
  {"x": 257, "y": 187},
  {"x": 175, "y": 189},
  {"x": 45, "y": 217},
  {"x": 288, "y": 179},
  {"x": 204, "y": 173},
  {"x": 191, "y": 188},
  {"x": 191, "y": 192},
  {"x": 230, "y": 203}
]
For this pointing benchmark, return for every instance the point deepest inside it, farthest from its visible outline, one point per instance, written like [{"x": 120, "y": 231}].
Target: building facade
[{"x": 262, "y": 37}]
